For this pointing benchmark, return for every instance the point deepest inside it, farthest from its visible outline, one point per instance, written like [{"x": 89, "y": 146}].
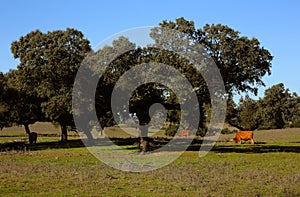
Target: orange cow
[
  {"x": 244, "y": 135},
  {"x": 183, "y": 133}
]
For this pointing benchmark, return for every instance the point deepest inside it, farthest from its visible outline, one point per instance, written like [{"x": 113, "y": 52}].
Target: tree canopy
[
  {"x": 242, "y": 63},
  {"x": 276, "y": 110},
  {"x": 43, "y": 82},
  {"x": 24, "y": 109},
  {"x": 4, "y": 106},
  {"x": 48, "y": 65},
  {"x": 245, "y": 116},
  {"x": 279, "y": 107}
]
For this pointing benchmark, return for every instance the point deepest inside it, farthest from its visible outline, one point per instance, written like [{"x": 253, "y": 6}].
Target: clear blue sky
[{"x": 275, "y": 23}]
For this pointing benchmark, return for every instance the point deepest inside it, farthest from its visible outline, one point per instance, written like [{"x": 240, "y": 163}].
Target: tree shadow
[
  {"x": 265, "y": 148},
  {"x": 131, "y": 143},
  {"x": 25, "y": 146}
]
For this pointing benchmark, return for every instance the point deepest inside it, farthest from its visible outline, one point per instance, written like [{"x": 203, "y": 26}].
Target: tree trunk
[
  {"x": 144, "y": 119},
  {"x": 27, "y": 129},
  {"x": 144, "y": 141},
  {"x": 64, "y": 133}
]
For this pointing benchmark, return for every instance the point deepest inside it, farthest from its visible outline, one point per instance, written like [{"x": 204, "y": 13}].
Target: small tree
[
  {"x": 279, "y": 107},
  {"x": 273, "y": 106},
  {"x": 246, "y": 116},
  {"x": 24, "y": 108},
  {"x": 292, "y": 110},
  {"x": 231, "y": 110},
  {"x": 4, "y": 106}
]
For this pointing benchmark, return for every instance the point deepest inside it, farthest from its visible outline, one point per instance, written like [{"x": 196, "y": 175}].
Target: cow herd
[{"x": 239, "y": 137}]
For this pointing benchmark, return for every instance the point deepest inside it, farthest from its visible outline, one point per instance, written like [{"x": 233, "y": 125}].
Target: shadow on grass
[
  {"x": 155, "y": 143},
  {"x": 256, "y": 149},
  {"x": 23, "y": 146},
  {"x": 72, "y": 143}
]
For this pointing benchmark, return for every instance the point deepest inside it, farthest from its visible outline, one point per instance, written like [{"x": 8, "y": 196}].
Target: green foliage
[
  {"x": 49, "y": 62},
  {"x": 171, "y": 130},
  {"x": 248, "y": 113},
  {"x": 231, "y": 110},
  {"x": 201, "y": 132},
  {"x": 245, "y": 116},
  {"x": 274, "y": 105},
  {"x": 277, "y": 109},
  {"x": 48, "y": 66},
  {"x": 292, "y": 110},
  {"x": 73, "y": 173},
  {"x": 295, "y": 124},
  {"x": 4, "y": 107},
  {"x": 228, "y": 131},
  {"x": 24, "y": 107},
  {"x": 242, "y": 61}
]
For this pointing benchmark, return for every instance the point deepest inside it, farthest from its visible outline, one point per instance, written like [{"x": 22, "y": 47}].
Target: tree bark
[
  {"x": 27, "y": 129},
  {"x": 64, "y": 133},
  {"x": 144, "y": 141}
]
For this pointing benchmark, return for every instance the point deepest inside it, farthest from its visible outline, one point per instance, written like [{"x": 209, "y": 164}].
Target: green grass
[
  {"x": 75, "y": 172},
  {"x": 271, "y": 167}
]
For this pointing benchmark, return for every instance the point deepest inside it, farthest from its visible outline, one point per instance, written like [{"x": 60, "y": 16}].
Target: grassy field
[{"x": 271, "y": 167}]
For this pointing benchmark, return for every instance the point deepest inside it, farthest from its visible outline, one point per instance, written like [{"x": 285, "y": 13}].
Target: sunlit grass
[
  {"x": 268, "y": 168},
  {"x": 75, "y": 172}
]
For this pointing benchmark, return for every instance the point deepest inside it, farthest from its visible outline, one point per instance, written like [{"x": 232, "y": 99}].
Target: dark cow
[{"x": 32, "y": 137}]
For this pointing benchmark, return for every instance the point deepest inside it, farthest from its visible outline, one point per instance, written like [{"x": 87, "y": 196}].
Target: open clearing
[{"x": 271, "y": 167}]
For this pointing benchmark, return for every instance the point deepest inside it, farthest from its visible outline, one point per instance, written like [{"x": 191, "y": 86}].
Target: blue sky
[{"x": 275, "y": 23}]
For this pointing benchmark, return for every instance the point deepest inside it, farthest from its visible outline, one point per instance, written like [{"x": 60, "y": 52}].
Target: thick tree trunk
[
  {"x": 64, "y": 133},
  {"x": 144, "y": 140},
  {"x": 27, "y": 129},
  {"x": 144, "y": 119}
]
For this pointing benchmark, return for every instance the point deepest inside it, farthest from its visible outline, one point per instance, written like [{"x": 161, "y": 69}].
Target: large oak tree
[
  {"x": 23, "y": 108},
  {"x": 242, "y": 63},
  {"x": 48, "y": 65},
  {"x": 4, "y": 106}
]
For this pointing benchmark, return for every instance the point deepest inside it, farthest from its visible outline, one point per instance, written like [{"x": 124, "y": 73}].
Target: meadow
[{"x": 270, "y": 167}]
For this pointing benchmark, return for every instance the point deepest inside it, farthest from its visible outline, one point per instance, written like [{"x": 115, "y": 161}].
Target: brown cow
[
  {"x": 183, "y": 133},
  {"x": 244, "y": 135},
  {"x": 32, "y": 137}
]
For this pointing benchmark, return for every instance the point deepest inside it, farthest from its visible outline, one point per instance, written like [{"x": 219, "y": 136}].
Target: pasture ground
[{"x": 271, "y": 167}]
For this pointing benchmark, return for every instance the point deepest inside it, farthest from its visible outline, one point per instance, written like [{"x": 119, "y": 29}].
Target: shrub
[
  {"x": 295, "y": 124},
  {"x": 171, "y": 129},
  {"x": 228, "y": 131},
  {"x": 201, "y": 132},
  {"x": 225, "y": 131}
]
